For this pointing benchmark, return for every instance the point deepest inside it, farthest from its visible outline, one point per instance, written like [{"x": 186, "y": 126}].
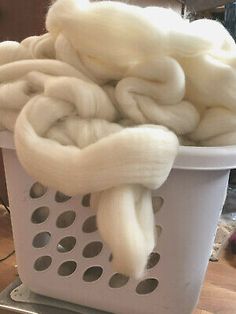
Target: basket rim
[{"x": 188, "y": 157}]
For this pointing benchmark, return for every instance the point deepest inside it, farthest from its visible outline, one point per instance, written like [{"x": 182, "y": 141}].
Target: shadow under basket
[{"x": 61, "y": 255}]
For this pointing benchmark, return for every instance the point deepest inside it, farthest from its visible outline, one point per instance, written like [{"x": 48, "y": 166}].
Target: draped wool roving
[{"x": 100, "y": 103}]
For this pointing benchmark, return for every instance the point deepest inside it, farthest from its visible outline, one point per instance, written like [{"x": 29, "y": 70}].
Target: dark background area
[{"x": 22, "y": 18}]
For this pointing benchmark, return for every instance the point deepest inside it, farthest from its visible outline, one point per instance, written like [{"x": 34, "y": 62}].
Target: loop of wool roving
[{"x": 100, "y": 103}]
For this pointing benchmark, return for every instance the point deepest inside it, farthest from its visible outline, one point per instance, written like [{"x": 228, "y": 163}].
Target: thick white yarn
[{"x": 94, "y": 101}]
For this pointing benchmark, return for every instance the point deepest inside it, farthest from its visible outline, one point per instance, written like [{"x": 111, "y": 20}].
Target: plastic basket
[{"x": 60, "y": 254}]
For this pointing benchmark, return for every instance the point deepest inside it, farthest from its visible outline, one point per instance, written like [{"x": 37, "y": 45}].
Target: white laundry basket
[{"x": 60, "y": 254}]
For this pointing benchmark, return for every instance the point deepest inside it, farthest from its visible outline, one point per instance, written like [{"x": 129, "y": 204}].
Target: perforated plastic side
[{"x": 60, "y": 253}]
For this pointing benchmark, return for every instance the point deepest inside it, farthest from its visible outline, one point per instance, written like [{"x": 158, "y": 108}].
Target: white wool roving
[
  {"x": 132, "y": 160},
  {"x": 100, "y": 102}
]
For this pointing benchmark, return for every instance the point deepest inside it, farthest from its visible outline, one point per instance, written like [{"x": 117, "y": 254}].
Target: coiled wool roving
[{"x": 100, "y": 102}]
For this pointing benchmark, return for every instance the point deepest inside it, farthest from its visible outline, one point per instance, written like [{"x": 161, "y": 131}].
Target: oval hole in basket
[
  {"x": 41, "y": 239},
  {"x": 90, "y": 224},
  {"x": 61, "y": 198},
  {"x": 86, "y": 200},
  {"x": 92, "y": 249},
  {"x": 40, "y": 215},
  {"x": 157, "y": 203},
  {"x": 66, "y": 244},
  {"x": 37, "y": 190},
  {"x": 147, "y": 286},
  {"x": 118, "y": 280},
  {"x": 93, "y": 273},
  {"x": 42, "y": 263},
  {"x": 110, "y": 257},
  {"x": 67, "y": 268},
  {"x": 153, "y": 260},
  {"x": 66, "y": 219}
]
